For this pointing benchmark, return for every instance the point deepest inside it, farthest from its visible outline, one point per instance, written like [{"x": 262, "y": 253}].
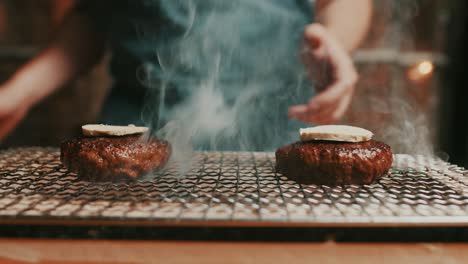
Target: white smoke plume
[
  {"x": 389, "y": 106},
  {"x": 231, "y": 73},
  {"x": 215, "y": 115}
]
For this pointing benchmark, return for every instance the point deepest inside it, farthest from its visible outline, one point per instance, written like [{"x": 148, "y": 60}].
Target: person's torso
[{"x": 185, "y": 43}]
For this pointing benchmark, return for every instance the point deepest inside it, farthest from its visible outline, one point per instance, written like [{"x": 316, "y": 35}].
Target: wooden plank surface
[{"x": 86, "y": 251}]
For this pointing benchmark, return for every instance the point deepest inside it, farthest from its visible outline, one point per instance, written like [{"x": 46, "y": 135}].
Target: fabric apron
[{"x": 228, "y": 68}]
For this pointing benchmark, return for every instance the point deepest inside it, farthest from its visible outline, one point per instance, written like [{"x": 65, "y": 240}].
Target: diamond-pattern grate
[{"x": 229, "y": 188}]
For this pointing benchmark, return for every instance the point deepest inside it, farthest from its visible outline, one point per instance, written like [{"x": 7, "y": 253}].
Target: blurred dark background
[
  {"x": 454, "y": 94},
  {"x": 25, "y": 27},
  {"x": 404, "y": 58}
]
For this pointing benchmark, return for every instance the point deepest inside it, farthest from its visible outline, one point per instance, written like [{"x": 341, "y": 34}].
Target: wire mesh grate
[{"x": 230, "y": 188}]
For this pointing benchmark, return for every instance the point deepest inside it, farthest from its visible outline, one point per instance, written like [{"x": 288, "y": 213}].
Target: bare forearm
[
  {"x": 348, "y": 20},
  {"x": 74, "y": 50}
]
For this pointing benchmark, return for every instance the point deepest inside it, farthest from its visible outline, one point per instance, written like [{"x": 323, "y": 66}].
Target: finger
[
  {"x": 312, "y": 111},
  {"x": 298, "y": 110},
  {"x": 330, "y": 114},
  {"x": 342, "y": 108},
  {"x": 332, "y": 96},
  {"x": 300, "y": 113},
  {"x": 305, "y": 111},
  {"x": 322, "y": 41},
  {"x": 335, "y": 114},
  {"x": 304, "y": 114},
  {"x": 343, "y": 65},
  {"x": 314, "y": 35},
  {"x": 319, "y": 119},
  {"x": 317, "y": 105},
  {"x": 9, "y": 123}
]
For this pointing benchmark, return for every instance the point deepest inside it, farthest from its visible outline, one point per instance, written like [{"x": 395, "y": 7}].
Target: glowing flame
[
  {"x": 420, "y": 71},
  {"x": 425, "y": 67}
]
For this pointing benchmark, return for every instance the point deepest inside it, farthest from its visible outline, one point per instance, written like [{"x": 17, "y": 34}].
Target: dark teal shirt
[{"x": 247, "y": 52}]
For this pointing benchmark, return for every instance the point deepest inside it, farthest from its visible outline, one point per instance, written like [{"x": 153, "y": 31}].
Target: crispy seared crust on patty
[
  {"x": 334, "y": 163},
  {"x": 114, "y": 158}
]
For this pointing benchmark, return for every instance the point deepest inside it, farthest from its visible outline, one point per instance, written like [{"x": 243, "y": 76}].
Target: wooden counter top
[{"x": 99, "y": 251}]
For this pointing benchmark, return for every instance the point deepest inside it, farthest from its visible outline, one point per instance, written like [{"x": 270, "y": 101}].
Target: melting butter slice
[
  {"x": 335, "y": 133},
  {"x": 108, "y": 130}
]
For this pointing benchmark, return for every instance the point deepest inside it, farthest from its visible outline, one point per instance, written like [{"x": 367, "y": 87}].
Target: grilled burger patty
[
  {"x": 334, "y": 163},
  {"x": 114, "y": 158}
]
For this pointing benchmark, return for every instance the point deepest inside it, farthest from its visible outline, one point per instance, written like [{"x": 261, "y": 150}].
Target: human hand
[
  {"x": 333, "y": 73},
  {"x": 13, "y": 108}
]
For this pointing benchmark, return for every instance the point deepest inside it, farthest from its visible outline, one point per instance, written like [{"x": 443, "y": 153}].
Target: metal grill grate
[{"x": 229, "y": 188}]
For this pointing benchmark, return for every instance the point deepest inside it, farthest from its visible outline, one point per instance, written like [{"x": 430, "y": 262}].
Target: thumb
[{"x": 315, "y": 35}]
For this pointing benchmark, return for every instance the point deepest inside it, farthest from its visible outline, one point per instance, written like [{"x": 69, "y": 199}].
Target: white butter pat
[
  {"x": 335, "y": 133},
  {"x": 108, "y": 130}
]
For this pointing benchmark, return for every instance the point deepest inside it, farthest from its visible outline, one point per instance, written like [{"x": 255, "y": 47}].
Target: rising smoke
[
  {"x": 401, "y": 121},
  {"x": 229, "y": 76},
  {"x": 222, "y": 85}
]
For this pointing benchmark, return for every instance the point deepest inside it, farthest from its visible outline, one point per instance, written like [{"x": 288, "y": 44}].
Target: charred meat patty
[
  {"x": 114, "y": 158},
  {"x": 334, "y": 163}
]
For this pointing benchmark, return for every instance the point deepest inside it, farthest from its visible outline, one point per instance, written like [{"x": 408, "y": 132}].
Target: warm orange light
[
  {"x": 425, "y": 67},
  {"x": 420, "y": 71}
]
